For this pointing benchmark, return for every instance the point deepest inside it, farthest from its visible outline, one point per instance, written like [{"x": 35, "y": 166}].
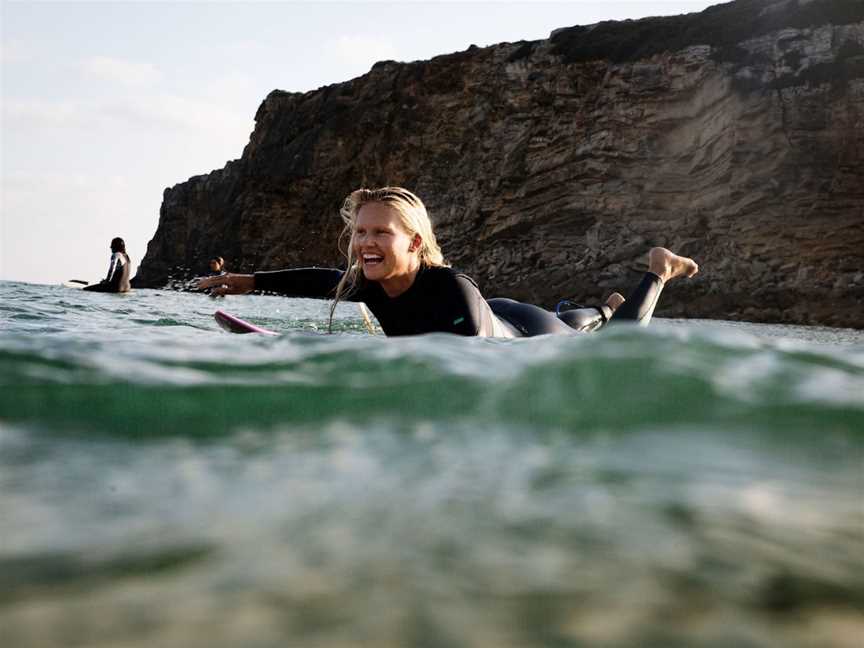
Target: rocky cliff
[{"x": 735, "y": 135}]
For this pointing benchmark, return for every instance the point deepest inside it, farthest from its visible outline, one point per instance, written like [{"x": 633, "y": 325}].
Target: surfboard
[
  {"x": 75, "y": 283},
  {"x": 234, "y": 324}
]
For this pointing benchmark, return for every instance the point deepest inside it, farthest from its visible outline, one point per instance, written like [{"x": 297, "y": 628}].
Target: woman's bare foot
[
  {"x": 668, "y": 265},
  {"x": 614, "y": 300}
]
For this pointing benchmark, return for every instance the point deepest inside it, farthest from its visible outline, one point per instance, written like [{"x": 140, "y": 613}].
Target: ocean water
[{"x": 164, "y": 483}]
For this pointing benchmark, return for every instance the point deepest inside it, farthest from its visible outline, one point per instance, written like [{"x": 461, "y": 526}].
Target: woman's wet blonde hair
[{"x": 414, "y": 219}]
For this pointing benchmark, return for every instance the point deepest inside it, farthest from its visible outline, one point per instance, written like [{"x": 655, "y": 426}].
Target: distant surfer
[
  {"x": 217, "y": 266},
  {"x": 397, "y": 269},
  {"x": 118, "y": 271}
]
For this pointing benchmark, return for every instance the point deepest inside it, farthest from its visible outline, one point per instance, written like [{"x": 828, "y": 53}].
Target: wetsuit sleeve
[{"x": 316, "y": 283}]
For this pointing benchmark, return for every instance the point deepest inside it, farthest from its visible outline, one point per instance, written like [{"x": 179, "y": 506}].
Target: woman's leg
[
  {"x": 663, "y": 266},
  {"x": 639, "y": 306},
  {"x": 530, "y": 320},
  {"x": 589, "y": 319},
  {"x": 527, "y": 319}
]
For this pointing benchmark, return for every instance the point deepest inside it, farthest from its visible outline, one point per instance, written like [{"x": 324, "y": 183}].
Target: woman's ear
[{"x": 416, "y": 243}]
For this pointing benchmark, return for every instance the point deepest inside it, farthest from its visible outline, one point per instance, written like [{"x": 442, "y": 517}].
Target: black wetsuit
[
  {"x": 532, "y": 320},
  {"x": 442, "y": 300},
  {"x": 118, "y": 275}
]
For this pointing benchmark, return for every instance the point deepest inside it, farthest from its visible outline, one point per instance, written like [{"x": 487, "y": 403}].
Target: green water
[{"x": 163, "y": 483}]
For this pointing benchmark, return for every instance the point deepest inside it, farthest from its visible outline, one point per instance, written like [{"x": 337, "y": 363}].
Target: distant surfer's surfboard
[
  {"x": 80, "y": 284},
  {"x": 236, "y": 325}
]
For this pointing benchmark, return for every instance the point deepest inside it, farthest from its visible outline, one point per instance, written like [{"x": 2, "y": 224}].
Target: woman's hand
[{"x": 228, "y": 284}]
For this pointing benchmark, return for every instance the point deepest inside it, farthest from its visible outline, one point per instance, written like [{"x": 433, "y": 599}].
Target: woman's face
[{"x": 385, "y": 251}]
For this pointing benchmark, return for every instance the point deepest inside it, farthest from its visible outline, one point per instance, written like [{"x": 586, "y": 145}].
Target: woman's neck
[{"x": 395, "y": 286}]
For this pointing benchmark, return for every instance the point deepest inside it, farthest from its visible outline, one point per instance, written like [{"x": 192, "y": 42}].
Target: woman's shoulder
[
  {"x": 444, "y": 276},
  {"x": 437, "y": 274}
]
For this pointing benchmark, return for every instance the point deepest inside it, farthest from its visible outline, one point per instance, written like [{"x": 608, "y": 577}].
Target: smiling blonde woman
[{"x": 395, "y": 267}]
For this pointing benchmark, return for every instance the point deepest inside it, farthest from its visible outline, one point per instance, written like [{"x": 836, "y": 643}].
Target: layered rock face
[{"x": 735, "y": 136}]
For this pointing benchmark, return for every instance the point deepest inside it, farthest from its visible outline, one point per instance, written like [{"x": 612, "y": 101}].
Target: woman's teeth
[{"x": 372, "y": 259}]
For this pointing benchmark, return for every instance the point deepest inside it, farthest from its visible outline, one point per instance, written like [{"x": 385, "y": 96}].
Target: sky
[{"x": 106, "y": 104}]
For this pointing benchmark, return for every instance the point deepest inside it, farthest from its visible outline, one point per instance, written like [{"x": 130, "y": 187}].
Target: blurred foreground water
[{"x": 163, "y": 483}]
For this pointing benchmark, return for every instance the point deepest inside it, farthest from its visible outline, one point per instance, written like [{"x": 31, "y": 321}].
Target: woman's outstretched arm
[
  {"x": 228, "y": 284},
  {"x": 316, "y": 283}
]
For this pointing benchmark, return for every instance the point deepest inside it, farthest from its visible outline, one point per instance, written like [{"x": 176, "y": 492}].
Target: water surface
[{"x": 165, "y": 483}]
